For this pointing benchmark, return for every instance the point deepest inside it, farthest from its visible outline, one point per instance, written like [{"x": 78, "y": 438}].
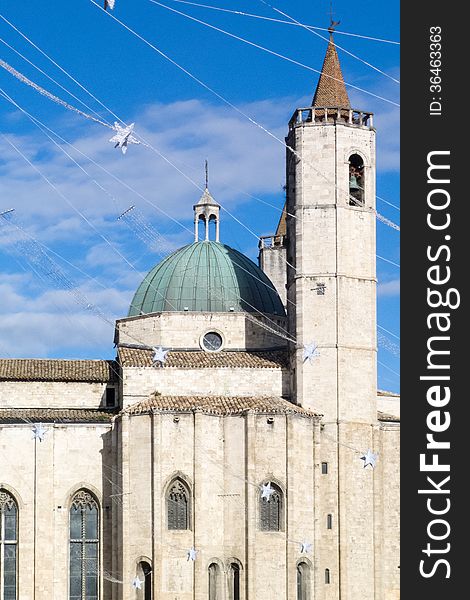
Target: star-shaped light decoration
[
  {"x": 310, "y": 352},
  {"x": 123, "y": 136},
  {"x": 192, "y": 554},
  {"x": 305, "y": 547},
  {"x": 369, "y": 458},
  {"x": 109, "y": 3},
  {"x": 267, "y": 491},
  {"x": 159, "y": 355},
  {"x": 39, "y": 431},
  {"x": 137, "y": 584}
]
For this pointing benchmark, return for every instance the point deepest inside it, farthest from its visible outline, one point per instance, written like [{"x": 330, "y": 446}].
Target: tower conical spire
[{"x": 331, "y": 90}]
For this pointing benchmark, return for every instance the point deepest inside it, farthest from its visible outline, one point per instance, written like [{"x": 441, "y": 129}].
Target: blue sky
[{"x": 43, "y": 301}]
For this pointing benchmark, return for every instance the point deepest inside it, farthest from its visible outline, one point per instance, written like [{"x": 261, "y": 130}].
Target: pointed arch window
[
  {"x": 271, "y": 510},
  {"x": 356, "y": 180},
  {"x": 303, "y": 581},
  {"x": 178, "y": 505},
  {"x": 8, "y": 546},
  {"x": 84, "y": 547}
]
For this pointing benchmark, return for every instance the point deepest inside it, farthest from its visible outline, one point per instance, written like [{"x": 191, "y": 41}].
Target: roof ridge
[
  {"x": 58, "y": 369},
  {"x": 200, "y": 359},
  {"x": 216, "y": 405}
]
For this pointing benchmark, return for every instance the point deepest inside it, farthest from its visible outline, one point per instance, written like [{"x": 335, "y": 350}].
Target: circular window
[{"x": 212, "y": 341}]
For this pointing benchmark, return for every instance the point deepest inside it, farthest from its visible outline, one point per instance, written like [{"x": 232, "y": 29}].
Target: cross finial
[
  {"x": 207, "y": 173},
  {"x": 333, "y": 23}
]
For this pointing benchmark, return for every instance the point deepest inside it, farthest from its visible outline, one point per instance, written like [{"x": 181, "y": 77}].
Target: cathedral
[{"x": 237, "y": 447}]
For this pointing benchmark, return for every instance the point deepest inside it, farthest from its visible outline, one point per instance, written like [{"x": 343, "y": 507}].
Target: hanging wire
[
  {"x": 275, "y": 330},
  {"x": 244, "y": 14},
  {"x": 161, "y": 53},
  {"x": 386, "y": 343},
  {"x": 53, "y": 80},
  {"x": 79, "y": 298},
  {"x": 47, "y": 94},
  {"x": 245, "y": 41},
  {"x": 25, "y": 250},
  {"x": 257, "y": 236},
  {"x": 388, "y": 261},
  {"x": 326, "y": 39},
  {"x": 145, "y": 142},
  {"x": 389, "y": 332},
  {"x": 389, "y": 368},
  {"x": 388, "y": 222},
  {"x": 54, "y": 63}
]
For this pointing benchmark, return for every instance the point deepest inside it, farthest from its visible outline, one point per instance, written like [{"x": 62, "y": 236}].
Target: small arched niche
[
  {"x": 303, "y": 580},
  {"x": 234, "y": 581},
  {"x": 144, "y": 574},
  {"x": 215, "y": 581}
]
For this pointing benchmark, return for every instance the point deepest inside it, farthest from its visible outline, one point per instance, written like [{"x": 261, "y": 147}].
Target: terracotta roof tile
[
  {"x": 381, "y": 416},
  {"x": 142, "y": 357},
  {"x": 385, "y": 393},
  {"x": 331, "y": 91},
  {"x": 217, "y": 405},
  {"x": 282, "y": 225},
  {"x": 54, "y": 415},
  {"x": 34, "y": 369}
]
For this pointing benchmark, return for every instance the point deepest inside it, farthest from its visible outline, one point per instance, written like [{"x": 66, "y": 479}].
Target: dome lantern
[{"x": 206, "y": 210}]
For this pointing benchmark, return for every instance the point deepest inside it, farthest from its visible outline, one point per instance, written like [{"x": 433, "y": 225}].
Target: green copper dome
[{"x": 206, "y": 277}]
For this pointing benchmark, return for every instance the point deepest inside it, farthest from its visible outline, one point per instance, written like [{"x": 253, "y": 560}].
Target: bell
[{"x": 353, "y": 185}]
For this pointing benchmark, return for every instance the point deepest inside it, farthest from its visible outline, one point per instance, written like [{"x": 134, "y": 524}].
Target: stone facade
[
  {"x": 184, "y": 330},
  {"x": 176, "y": 453}
]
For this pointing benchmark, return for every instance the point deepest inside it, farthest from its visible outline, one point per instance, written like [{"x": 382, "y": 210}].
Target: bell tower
[
  {"x": 331, "y": 290},
  {"x": 331, "y": 281}
]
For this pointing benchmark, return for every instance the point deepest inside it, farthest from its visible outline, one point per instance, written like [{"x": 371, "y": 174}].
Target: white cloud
[
  {"x": 37, "y": 318},
  {"x": 389, "y": 288},
  {"x": 42, "y": 333},
  {"x": 52, "y": 321},
  {"x": 186, "y": 133}
]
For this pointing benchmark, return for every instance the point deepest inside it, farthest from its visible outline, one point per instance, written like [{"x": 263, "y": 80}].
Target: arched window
[
  {"x": 356, "y": 180},
  {"x": 8, "y": 545},
  {"x": 271, "y": 510},
  {"x": 327, "y": 576},
  {"x": 84, "y": 547},
  {"x": 214, "y": 582},
  {"x": 234, "y": 582},
  {"x": 178, "y": 505},
  {"x": 303, "y": 581},
  {"x": 144, "y": 573}
]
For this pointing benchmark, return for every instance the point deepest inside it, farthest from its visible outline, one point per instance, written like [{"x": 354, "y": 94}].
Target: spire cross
[
  {"x": 207, "y": 173},
  {"x": 333, "y": 23}
]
